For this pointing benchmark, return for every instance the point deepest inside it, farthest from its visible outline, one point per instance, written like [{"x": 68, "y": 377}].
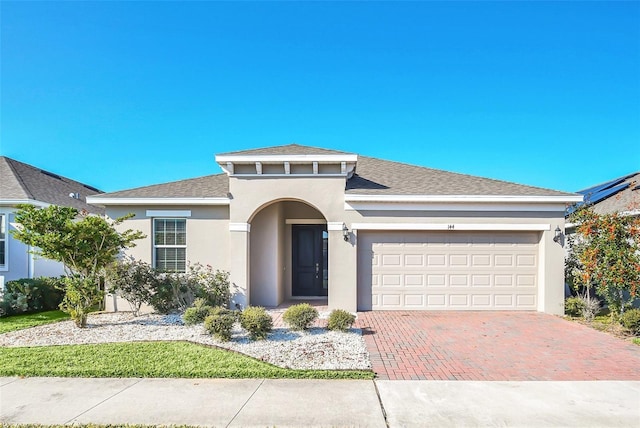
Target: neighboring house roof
[
  {"x": 619, "y": 195},
  {"x": 372, "y": 177},
  {"x": 20, "y": 182}
]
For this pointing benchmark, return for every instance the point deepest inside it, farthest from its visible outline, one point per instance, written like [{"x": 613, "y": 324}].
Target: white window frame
[
  {"x": 4, "y": 226},
  {"x": 153, "y": 242}
]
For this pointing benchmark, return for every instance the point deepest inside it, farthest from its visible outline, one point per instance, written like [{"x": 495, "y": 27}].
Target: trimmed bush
[
  {"x": 573, "y": 306},
  {"x": 256, "y": 321},
  {"x": 197, "y": 313},
  {"x": 31, "y": 295},
  {"x": 300, "y": 316},
  {"x": 630, "y": 320},
  {"x": 220, "y": 322},
  {"x": 340, "y": 320}
]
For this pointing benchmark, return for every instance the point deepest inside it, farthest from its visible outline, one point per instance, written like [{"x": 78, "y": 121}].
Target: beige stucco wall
[
  {"x": 207, "y": 238},
  {"x": 207, "y": 233},
  {"x": 251, "y": 239}
]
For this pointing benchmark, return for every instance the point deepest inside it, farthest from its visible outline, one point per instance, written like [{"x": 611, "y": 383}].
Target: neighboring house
[
  {"x": 296, "y": 222},
  {"x": 619, "y": 195},
  {"x": 25, "y": 184}
]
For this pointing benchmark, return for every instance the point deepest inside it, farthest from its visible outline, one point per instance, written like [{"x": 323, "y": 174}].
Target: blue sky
[{"x": 125, "y": 94}]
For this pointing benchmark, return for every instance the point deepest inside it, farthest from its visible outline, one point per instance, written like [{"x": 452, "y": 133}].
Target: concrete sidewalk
[{"x": 278, "y": 402}]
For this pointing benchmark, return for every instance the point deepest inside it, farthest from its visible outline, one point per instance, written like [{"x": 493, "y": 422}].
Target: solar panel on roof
[
  {"x": 601, "y": 187},
  {"x": 604, "y": 194}
]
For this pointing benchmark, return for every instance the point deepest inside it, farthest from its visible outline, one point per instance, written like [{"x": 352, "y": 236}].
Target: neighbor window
[
  {"x": 170, "y": 244},
  {"x": 3, "y": 241}
]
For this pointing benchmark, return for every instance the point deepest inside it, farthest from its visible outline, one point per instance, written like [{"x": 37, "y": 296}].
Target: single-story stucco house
[
  {"x": 21, "y": 183},
  {"x": 294, "y": 221}
]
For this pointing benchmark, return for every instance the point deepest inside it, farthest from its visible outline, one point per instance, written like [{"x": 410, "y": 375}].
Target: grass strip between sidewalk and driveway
[
  {"x": 150, "y": 359},
  {"x": 20, "y": 322}
]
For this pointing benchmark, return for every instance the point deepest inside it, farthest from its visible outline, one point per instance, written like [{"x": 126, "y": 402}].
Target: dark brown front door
[{"x": 309, "y": 250}]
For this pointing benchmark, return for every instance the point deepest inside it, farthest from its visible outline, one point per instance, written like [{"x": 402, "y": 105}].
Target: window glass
[{"x": 170, "y": 241}]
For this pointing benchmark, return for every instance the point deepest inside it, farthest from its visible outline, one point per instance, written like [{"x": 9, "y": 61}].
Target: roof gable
[{"x": 22, "y": 182}]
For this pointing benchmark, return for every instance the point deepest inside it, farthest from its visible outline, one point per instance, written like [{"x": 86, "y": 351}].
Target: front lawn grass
[
  {"x": 150, "y": 359},
  {"x": 19, "y": 322}
]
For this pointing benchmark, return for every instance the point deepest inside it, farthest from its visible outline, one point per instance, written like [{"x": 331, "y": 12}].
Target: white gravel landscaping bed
[{"x": 316, "y": 349}]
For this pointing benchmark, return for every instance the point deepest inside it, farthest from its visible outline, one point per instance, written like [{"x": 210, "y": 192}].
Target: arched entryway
[{"x": 288, "y": 253}]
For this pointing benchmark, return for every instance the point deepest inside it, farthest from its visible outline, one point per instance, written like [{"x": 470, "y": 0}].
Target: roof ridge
[{"x": 18, "y": 177}]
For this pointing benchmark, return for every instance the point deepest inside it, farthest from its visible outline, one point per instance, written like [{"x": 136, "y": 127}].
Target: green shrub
[
  {"x": 31, "y": 295},
  {"x": 300, "y": 317},
  {"x": 630, "y": 320},
  {"x": 134, "y": 280},
  {"x": 340, "y": 320},
  {"x": 197, "y": 312},
  {"x": 175, "y": 292},
  {"x": 256, "y": 321},
  {"x": 81, "y": 296},
  {"x": 573, "y": 306},
  {"x": 220, "y": 322}
]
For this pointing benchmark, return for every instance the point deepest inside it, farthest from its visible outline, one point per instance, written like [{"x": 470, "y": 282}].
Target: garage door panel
[
  {"x": 459, "y": 300},
  {"x": 414, "y": 280},
  {"x": 391, "y": 280},
  {"x": 414, "y": 301},
  {"x": 481, "y": 260},
  {"x": 481, "y": 300},
  {"x": 436, "y": 280},
  {"x": 452, "y": 270},
  {"x": 414, "y": 260}
]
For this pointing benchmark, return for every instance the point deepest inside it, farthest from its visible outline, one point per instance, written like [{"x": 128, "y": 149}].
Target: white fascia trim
[
  {"x": 285, "y": 158},
  {"x": 463, "y": 198},
  {"x": 239, "y": 227},
  {"x": 450, "y": 206},
  {"x": 335, "y": 225},
  {"x": 263, "y": 176},
  {"x": 24, "y": 201},
  {"x": 452, "y": 226},
  {"x": 168, "y": 213},
  {"x": 305, "y": 221},
  {"x": 157, "y": 201}
]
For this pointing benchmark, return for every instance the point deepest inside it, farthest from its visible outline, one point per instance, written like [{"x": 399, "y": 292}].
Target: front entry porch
[{"x": 288, "y": 254}]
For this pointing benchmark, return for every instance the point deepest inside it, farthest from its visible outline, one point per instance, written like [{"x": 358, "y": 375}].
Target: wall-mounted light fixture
[
  {"x": 345, "y": 232},
  {"x": 558, "y": 234}
]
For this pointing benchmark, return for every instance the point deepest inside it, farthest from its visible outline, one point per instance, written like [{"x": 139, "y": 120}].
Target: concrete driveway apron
[{"x": 494, "y": 346}]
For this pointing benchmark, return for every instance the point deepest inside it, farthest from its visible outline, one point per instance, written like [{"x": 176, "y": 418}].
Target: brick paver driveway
[{"x": 493, "y": 346}]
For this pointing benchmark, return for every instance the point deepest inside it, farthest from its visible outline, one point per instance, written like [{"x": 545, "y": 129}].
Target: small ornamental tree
[
  {"x": 605, "y": 255},
  {"x": 85, "y": 244}
]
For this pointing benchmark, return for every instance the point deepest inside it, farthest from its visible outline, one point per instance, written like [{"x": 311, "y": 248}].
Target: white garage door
[{"x": 448, "y": 270}]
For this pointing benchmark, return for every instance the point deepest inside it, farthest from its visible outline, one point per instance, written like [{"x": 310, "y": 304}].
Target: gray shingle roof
[
  {"x": 289, "y": 149},
  {"x": 20, "y": 181},
  {"x": 209, "y": 186},
  {"x": 381, "y": 177},
  {"x": 373, "y": 177}
]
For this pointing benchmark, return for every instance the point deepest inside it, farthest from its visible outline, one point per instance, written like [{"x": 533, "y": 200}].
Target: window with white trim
[
  {"x": 3, "y": 241},
  {"x": 170, "y": 244}
]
